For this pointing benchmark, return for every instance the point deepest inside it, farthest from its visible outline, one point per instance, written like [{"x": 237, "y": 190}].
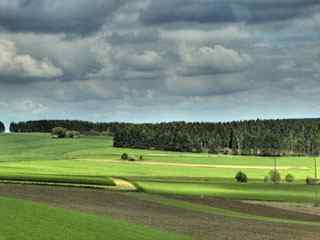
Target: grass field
[
  {"x": 94, "y": 159},
  {"x": 37, "y": 158},
  {"x": 27, "y": 221}
]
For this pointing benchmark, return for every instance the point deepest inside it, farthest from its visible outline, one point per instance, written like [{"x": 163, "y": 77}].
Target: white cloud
[
  {"x": 13, "y": 64},
  {"x": 32, "y": 107},
  {"x": 211, "y": 61}
]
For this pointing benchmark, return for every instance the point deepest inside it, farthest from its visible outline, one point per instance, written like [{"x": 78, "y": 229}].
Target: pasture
[
  {"x": 176, "y": 186},
  {"x": 94, "y": 159}
]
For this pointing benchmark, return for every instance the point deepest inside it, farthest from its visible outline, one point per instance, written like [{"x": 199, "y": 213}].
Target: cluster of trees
[
  {"x": 60, "y": 132},
  {"x": 2, "y": 127},
  {"x": 254, "y": 137},
  {"x": 46, "y": 126}
]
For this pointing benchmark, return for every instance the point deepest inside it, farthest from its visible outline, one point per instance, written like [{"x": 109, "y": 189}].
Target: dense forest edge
[{"x": 252, "y": 137}]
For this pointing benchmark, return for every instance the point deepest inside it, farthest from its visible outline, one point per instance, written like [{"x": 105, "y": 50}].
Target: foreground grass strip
[
  {"x": 24, "y": 220},
  {"x": 217, "y": 211}
]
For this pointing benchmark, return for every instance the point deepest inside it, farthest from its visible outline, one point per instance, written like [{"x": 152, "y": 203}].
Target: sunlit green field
[{"x": 186, "y": 173}]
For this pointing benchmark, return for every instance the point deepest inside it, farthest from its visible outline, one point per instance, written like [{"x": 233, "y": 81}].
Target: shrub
[
  {"x": 124, "y": 156},
  {"x": 59, "y": 132},
  {"x": 266, "y": 179},
  {"x": 275, "y": 176},
  {"x": 72, "y": 134},
  {"x": 140, "y": 157},
  {"x": 312, "y": 181},
  {"x": 241, "y": 177},
  {"x": 131, "y": 159},
  {"x": 289, "y": 178}
]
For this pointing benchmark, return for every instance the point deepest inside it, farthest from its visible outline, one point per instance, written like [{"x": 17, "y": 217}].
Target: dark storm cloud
[
  {"x": 226, "y": 11},
  {"x": 55, "y": 16}
]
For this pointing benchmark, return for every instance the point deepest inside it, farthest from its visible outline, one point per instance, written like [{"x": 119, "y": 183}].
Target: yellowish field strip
[
  {"x": 121, "y": 184},
  {"x": 200, "y": 165},
  {"x": 124, "y": 185}
]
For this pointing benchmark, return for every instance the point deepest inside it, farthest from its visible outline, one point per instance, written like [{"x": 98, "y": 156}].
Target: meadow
[
  {"x": 94, "y": 159},
  {"x": 175, "y": 195}
]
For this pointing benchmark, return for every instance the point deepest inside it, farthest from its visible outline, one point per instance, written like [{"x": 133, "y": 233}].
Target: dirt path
[
  {"x": 200, "y": 165},
  {"x": 123, "y": 185},
  {"x": 126, "y": 206}
]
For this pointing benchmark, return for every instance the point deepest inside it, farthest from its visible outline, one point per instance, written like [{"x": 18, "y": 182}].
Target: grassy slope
[
  {"x": 21, "y": 154},
  {"x": 27, "y": 221}
]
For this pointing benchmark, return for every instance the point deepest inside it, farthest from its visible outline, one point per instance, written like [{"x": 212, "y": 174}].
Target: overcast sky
[{"x": 159, "y": 60}]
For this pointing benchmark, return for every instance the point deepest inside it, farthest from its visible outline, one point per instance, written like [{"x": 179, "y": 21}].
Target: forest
[
  {"x": 252, "y": 137},
  {"x": 255, "y": 137},
  {"x": 46, "y": 126}
]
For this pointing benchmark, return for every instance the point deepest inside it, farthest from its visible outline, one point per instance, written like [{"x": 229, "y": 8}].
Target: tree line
[
  {"x": 2, "y": 127},
  {"x": 253, "y": 137},
  {"x": 46, "y": 126}
]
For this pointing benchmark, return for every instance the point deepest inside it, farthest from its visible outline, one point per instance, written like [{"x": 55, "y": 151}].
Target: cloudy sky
[{"x": 152, "y": 60}]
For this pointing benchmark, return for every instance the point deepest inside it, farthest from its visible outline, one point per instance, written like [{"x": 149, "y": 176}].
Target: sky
[{"x": 153, "y": 61}]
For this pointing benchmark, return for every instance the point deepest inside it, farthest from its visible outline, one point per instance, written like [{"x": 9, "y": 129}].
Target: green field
[
  {"x": 92, "y": 158},
  {"x": 27, "y": 221},
  {"x": 93, "y": 161}
]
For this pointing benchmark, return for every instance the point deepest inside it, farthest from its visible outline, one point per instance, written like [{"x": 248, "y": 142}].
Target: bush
[
  {"x": 140, "y": 157},
  {"x": 132, "y": 159},
  {"x": 59, "y": 132},
  {"x": 275, "y": 176},
  {"x": 241, "y": 177},
  {"x": 266, "y": 179},
  {"x": 72, "y": 134},
  {"x": 289, "y": 178},
  {"x": 312, "y": 181},
  {"x": 124, "y": 156}
]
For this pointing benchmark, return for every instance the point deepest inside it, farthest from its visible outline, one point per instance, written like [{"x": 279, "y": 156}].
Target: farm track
[
  {"x": 201, "y": 226},
  {"x": 152, "y": 163}
]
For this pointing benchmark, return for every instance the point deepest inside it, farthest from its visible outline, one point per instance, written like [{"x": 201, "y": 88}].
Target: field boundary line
[{"x": 197, "y": 165}]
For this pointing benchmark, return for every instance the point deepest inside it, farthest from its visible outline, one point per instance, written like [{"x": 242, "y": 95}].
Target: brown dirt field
[
  {"x": 307, "y": 208},
  {"x": 255, "y": 208},
  {"x": 126, "y": 206}
]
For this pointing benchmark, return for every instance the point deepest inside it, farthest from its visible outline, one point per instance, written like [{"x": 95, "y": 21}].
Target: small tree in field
[
  {"x": 124, "y": 156},
  {"x": 289, "y": 178},
  {"x": 275, "y": 176},
  {"x": 241, "y": 177},
  {"x": 59, "y": 132}
]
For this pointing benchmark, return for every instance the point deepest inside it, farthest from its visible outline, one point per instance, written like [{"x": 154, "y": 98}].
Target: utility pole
[
  {"x": 315, "y": 168},
  {"x": 316, "y": 193}
]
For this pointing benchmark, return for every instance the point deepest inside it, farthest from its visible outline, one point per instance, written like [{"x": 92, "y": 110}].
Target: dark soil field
[{"x": 200, "y": 226}]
